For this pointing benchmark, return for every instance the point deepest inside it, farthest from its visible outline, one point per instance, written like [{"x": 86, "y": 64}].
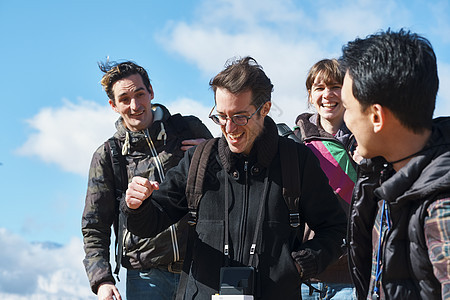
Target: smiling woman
[
  {"x": 327, "y": 136},
  {"x": 324, "y": 85}
]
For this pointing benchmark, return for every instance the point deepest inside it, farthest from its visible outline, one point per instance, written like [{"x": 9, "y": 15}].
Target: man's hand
[
  {"x": 191, "y": 143},
  {"x": 108, "y": 291},
  {"x": 139, "y": 189}
]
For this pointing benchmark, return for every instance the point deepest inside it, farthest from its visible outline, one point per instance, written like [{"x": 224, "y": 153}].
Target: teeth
[
  {"x": 330, "y": 105},
  {"x": 235, "y": 136}
]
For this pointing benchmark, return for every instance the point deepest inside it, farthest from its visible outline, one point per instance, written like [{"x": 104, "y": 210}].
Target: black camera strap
[
  {"x": 226, "y": 250},
  {"x": 259, "y": 219}
]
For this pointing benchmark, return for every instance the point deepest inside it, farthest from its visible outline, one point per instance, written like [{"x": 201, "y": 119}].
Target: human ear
[
  {"x": 152, "y": 94},
  {"x": 113, "y": 106},
  {"x": 378, "y": 117},
  {"x": 266, "y": 108}
]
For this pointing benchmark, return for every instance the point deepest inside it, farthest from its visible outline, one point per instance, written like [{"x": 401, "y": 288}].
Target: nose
[
  {"x": 229, "y": 125},
  {"x": 133, "y": 104},
  {"x": 326, "y": 92}
]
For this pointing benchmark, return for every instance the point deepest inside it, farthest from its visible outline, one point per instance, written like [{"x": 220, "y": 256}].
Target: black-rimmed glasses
[{"x": 239, "y": 120}]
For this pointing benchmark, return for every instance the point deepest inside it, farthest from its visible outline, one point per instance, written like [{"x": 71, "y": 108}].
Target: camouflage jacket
[{"x": 101, "y": 207}]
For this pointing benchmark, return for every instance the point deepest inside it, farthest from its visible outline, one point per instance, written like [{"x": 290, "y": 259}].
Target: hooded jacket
[
  {"x": 333, "y": 154},
  {"x": 277, "y": 243},
  {"x": 101, "y": 208},
  {"x": 407, "y": 271}
]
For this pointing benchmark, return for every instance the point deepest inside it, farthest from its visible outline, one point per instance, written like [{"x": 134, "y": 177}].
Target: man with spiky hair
[{"x": 399, "y": 227}]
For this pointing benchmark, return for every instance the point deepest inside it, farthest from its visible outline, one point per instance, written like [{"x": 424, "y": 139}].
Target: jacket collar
[
  {"x": 424, "y": 174},
  {"x": 160, "y": 114},
  {"x": 133, "y": 138},
  {"x": 263, "y": 151},
  {"x": 309, "y": 126}
]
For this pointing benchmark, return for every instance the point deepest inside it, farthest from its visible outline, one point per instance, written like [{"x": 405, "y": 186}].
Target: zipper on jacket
[
  {"x": 159, "y": 167},
  {"x": 243, "y": 224},
  {"x": 158, "y": 163},
  {"x": 387, "y": 234}
]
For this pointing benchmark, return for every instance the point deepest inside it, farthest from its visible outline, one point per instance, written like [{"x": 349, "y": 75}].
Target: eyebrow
[
  {"x": 237, "y": 113},
  {"x": 326, "y": 83},
  {"x": 135, "y": 91}
]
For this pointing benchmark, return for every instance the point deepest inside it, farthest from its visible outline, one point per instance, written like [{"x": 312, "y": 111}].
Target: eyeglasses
[{"x": 239, "y": 120}]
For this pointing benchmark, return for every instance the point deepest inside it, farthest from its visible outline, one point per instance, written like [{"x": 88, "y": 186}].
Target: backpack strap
[
  {"x": 119, "y": 181},
  {"x": 194, "y": 190},
  {"x": 196, "y": 176},
  {"x": 291, "y": 179}
]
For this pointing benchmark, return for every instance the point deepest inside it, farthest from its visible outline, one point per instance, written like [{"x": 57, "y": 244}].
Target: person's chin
[
  {"x": 235, "y": 148},
  {"x": 137, "y": 126}
]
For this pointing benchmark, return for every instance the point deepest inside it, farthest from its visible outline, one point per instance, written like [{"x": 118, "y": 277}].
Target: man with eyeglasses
[{"x": 242, "y": 219}]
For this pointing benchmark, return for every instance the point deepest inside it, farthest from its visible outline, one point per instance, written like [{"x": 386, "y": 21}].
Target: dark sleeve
[
  {"x": 99, "y": 213},
  {"x": 323, "y": 213},
  {"x": 197, "y": 128},
  {"x": 361, "y": 218},
  {"x": 165, "y": 206}
]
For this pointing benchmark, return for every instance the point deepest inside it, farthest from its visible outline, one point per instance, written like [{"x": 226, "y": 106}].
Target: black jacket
[
  {"x": 278, "y": 277},
  {"x": 407, "y": 271}
]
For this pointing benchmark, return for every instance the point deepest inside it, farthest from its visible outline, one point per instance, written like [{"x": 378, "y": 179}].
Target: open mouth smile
[
  {"x": 329, "y": 105},
  {"x": 235, "y": 136},
  {"x": 137, "y": 114}
]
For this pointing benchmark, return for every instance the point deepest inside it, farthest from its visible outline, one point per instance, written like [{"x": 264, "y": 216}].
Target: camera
[{"x": 237, "y": 281}]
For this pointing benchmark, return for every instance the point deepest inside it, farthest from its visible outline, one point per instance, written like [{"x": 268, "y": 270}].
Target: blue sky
[{"x": 55, "y": 113}]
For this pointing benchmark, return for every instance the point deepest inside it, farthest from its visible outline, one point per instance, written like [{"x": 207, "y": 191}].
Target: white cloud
[
  {"x": 36, "y": 271},
  {"x": 443, "y": 99},
  {"x": 285, "y": 62},
  {"x": 68, "y": 135},
  {"x": 285, "y": 37}
]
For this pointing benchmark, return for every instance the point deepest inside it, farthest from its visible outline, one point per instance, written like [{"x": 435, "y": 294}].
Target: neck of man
[{"x": 404, "y": 146}]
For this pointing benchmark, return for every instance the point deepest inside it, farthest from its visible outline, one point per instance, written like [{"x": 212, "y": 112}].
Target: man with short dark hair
[
  {"x": 400, "y": 216},
  {"x": 242, "y": 219},
  {"x": 148, "y": 142}
]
